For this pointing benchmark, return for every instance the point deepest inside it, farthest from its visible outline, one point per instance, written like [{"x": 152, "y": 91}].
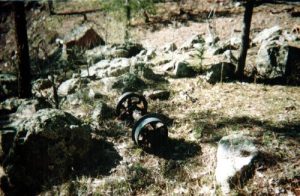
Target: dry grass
[{"x": 202, "y": 114}]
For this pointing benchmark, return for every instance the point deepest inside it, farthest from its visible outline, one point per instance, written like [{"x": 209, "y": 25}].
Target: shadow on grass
[
  {"x": 177, "y": 149},
  {"x": 213, "y": 127},
  {"x": 30, "y": 176}
]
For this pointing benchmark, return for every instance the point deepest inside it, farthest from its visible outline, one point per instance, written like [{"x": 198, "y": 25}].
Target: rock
[
  {"x": 41, "y": 84},
  {"x": 157, "y": 94},
  {"x": 289, "y": 36},
  {"x": 11, "y": 104},
  {"x": 94, "y": 95},
  {"x": 235, "y": 156},
  {"x": 220, "y": 48},
  {"x": 129, "y": 82},
  {"x": 126, "y": 50},
  {"x": 47, "y": 148},
  {"x": 8, "y": 86},
  {"x": 102, "y": 111},
  {"x": 211, "y": 40},
  {"x": 194, "y": 40},
  {"x": 118, "y": 67},
  {"x": 77, "y": 98},
  {"x": 267, "y": 34},
  {"x": 235, "y": 41},
  {"x": 99, "y": 70},
  {"x": 151, "y": 53},
  {"x": 84, "y": 37},
  {"x": 271, "y": 60},
  {"x": 29, "y": 107},
  {"x": 68, "y": 87},
  {"x": 222, "y": 71},
  {"x": 142, "y": 70},
  {"x": 183, "y": 69},
  {"x": 170, "y": 47}
]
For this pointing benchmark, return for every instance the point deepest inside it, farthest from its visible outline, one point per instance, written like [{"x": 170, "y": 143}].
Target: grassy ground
[{"x": 201, "y": 115}]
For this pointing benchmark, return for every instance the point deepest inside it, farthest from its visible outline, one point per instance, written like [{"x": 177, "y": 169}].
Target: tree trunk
[
  {"x": 24, "y": 76},
  {"x": 245, "y": 39},
  {"x": 50, "y": 7},
  {"x": 128, "y": 17}
]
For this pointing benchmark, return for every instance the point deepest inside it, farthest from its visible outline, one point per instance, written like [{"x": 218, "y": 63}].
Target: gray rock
[
  {"x": 211, "y": 40},
  {"x": 47, "y": 147},
  {"x": 183, "y": 69},
  {"x": 68, "y": 87},
  {"x": 41, "y": 84},
  {"x": 29, "y": 107},
  {"x": 119, "y": 66},
  {"x": 170, "y": 47},
  {"x": 128, "y": 82},
  {"x": 98, "y": 70},
  {"x": 192, "y": 42},
  {"x": 271, "y": 60},
  {"x": 102, "y": 111},
  {"x": 77, "y": 98},
  {"x": 142, "y": 70},
  {"x": 220, "y": 48},
  {"x": 222, "y": 71},
  {"x": 11, "y": 104},
  {"x": 157, "y": 94},
  {"x": 266, "y": 34},
  {"x": 94, "y": 95},
  {"x": 151, "y": 53},
  {"x": 235, "y": 156}
]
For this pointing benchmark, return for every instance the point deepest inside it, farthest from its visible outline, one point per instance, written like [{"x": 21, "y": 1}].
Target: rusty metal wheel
[
  {"x": 150, "y": 132},
  {"x": 129, "y": 104}
]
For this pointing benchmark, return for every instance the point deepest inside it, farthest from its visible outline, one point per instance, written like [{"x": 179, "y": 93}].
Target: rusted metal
[
  {"x": 131, "y": 107},
  {"x": 149, "y": 130}
]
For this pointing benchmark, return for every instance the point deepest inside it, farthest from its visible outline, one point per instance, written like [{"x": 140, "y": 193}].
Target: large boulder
[
  {"x": 266, "y": 34},
  {"x": 271, "y": 60},
  {"x": 69, "y": 86},
  {"x": 235, "y": 156},
  {"x": 47, "y": 148}
]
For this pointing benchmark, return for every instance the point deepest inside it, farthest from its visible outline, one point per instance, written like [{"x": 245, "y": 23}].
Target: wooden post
[
  {"x": 245, "y": 39},
  {"x": 24, "y": 72}
]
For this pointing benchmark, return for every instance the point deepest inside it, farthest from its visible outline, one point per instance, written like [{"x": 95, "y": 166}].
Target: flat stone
[{"x": 235, "y": 156}]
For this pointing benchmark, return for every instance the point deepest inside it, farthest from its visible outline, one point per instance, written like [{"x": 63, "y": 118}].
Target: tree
[
  {"x": 245, "y": 38},
  {"x": 24, "y": 75}
]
